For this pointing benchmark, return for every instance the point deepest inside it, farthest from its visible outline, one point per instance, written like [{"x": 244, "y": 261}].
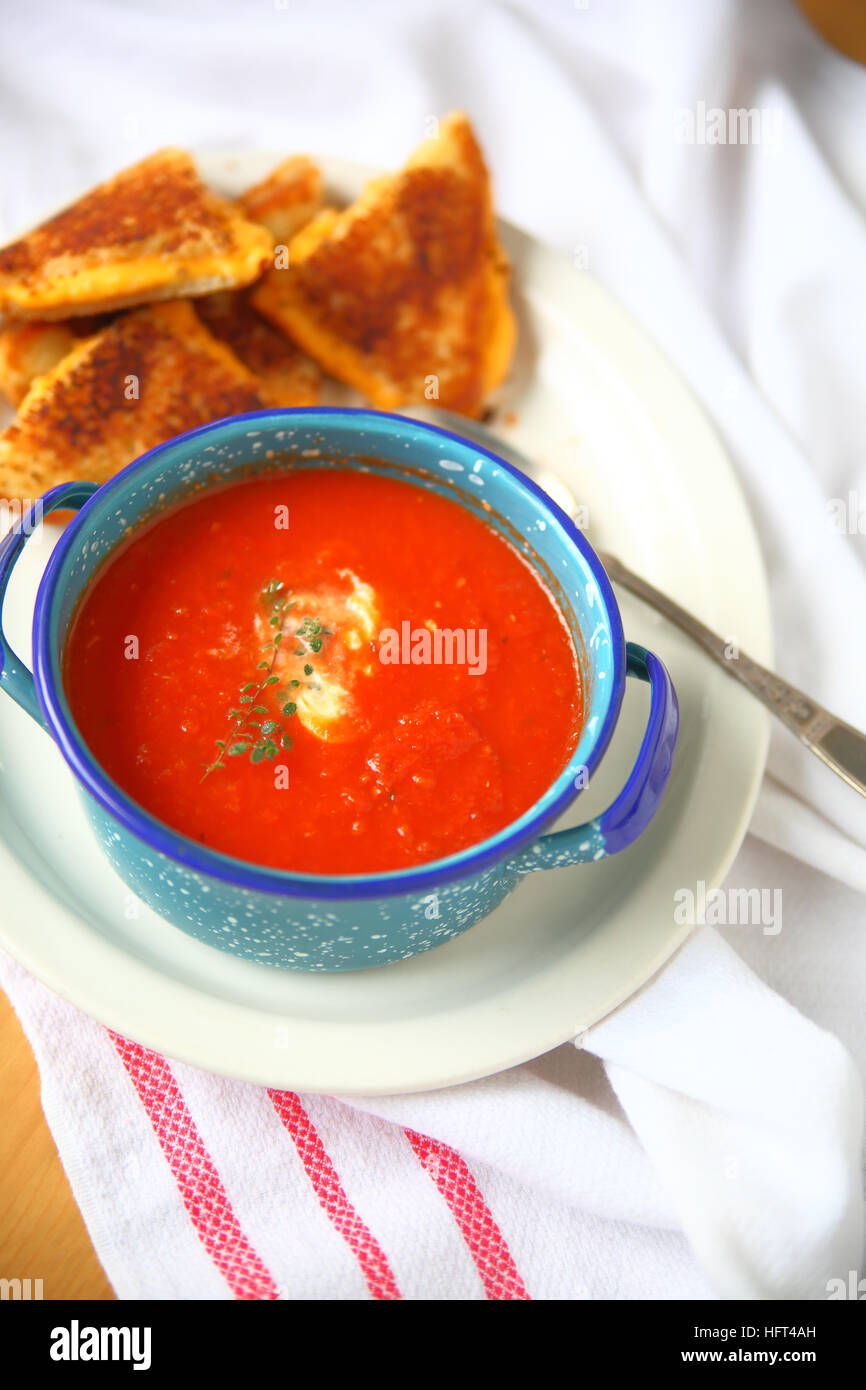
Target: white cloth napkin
[{"x": 706, "y": 1139}]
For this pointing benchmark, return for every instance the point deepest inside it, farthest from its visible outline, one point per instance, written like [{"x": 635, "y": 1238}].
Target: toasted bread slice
[
  {"x": 151, "y": 374},
  {"x": 29, "y": 350},
  {"x": 154, "y": 231},
  {"x": 286, "y": 375},
  {"x": 405, "y": 294},
  {"x": 286, "y": 200},
  {"x": 283, "y": 203}
]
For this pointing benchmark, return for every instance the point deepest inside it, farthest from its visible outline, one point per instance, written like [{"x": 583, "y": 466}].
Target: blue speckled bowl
[{"x": 314, "y": 922}]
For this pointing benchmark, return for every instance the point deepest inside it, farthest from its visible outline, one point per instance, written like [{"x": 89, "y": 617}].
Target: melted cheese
[
  {"x": 116, "y": 284},
  {"x": 348, "y": 608}
]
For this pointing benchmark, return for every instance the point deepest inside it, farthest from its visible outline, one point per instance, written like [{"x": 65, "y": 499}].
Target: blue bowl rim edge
[{"x": 260, "y": 878}]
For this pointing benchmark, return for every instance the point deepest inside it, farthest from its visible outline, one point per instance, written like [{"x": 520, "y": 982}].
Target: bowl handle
[
  {"x": 631, "y": 812},
  {"x": 15, "y": 678}
]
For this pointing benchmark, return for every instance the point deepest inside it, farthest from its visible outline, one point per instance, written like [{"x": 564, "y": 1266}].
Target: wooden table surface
[
  {"x": 842, "y": 22},
  {"x": 42, "y": 1235}
]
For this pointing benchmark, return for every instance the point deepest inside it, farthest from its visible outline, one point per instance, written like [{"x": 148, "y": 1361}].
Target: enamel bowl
[{"x": 341, "y": 922}]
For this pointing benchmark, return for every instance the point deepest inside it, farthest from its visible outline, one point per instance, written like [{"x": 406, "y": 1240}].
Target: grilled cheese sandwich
[
  {"x": 153, "y": 231},
  {"x": 151, "y": 374},
  {"x": 286, "y": 200},
  {"x": 287, "y": 376},
  {"x": 405, "y": 294}
]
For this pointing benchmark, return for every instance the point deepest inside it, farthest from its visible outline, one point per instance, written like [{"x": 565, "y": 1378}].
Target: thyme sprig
[{"x": 263, "y": 739}]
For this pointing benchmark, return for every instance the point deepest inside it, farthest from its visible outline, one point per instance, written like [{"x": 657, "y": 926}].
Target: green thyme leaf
[{"x": 263, "y": 741}]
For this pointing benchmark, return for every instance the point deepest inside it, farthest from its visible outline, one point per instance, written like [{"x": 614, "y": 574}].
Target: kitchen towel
[{"x": 705, "y": 1140}]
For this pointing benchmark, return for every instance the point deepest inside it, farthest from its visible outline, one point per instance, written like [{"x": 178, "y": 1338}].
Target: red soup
[{"x": 326, "y": 671}]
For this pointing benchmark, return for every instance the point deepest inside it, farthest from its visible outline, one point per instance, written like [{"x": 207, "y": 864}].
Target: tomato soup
[{"x": 325, "y": 670}]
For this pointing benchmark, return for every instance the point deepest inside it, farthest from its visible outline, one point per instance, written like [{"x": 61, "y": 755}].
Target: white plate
[{"x": 594, "y": 400}]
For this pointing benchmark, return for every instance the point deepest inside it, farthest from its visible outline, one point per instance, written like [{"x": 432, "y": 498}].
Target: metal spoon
[{"x": 839, "y": 745}]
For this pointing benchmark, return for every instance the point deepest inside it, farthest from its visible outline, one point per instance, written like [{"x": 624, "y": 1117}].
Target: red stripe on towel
[
  {"x": 485, "y": 1241},
  {"x": 195, "y": 1173},
  {"x": 332, "y": 1198}
]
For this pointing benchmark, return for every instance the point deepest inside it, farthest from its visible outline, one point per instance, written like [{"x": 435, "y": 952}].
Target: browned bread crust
[
  {"x": 287, "y": 376},
  {"x": 153, "y": 231},
  {"x": 151, "y": 374},
  {"x": 28, "y": 350},
  {"x": 405, "y": 294},
  {"x": 286, "y": 200}
]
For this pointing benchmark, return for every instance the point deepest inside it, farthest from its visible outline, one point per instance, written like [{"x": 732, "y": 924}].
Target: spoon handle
[{"x": 839, "y": 745}]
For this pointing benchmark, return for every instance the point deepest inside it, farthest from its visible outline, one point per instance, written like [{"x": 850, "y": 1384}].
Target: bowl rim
[{"x": 246, "y": 874}]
